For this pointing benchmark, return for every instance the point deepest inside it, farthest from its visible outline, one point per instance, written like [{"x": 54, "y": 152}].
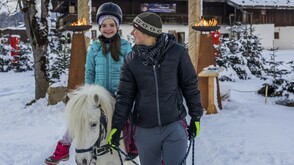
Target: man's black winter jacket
[{"x": 157, "y": 89}]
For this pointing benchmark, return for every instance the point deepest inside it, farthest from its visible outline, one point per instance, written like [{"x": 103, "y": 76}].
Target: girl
[{"x": 104, "y": 59}]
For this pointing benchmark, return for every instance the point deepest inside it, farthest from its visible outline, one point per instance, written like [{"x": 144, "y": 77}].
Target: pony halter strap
[{"x": 96, "y": 148}]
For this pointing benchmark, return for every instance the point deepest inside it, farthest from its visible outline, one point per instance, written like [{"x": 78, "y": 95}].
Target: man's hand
[
  {"x": 194, "y": 128},
  {"x": 113, "y": 137}
]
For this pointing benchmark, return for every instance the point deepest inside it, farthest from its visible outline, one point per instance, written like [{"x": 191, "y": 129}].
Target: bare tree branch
[{"x": 10, "y": 6}]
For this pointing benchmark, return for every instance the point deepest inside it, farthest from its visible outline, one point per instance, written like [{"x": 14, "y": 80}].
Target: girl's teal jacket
[{"x": 102, "y": 69}]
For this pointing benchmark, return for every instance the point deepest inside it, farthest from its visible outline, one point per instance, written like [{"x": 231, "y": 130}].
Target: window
[
  {"x": 277, "y": 35},
  {"x": 225, "y": 35}
]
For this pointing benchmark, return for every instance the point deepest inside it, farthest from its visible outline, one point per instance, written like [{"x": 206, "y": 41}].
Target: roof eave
[{"x": 231, "y": 3}]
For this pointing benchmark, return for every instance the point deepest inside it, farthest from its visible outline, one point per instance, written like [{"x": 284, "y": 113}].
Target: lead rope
[
  {"x": 183, "y": 161},
  {"x": 91, "y": 160},
  {"x": 187, "y": 153},
  {"x": 120, "y": 157},
  {"x": 193, "y": 151},
  {"x": 126, "y": 155}
]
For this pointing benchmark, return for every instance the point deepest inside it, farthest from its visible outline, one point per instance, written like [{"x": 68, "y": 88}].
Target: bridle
[{"x": 97, "y": 150}]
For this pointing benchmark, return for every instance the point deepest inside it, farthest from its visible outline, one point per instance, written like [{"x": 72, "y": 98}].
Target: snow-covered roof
[
  {"x": 276, "y": 4},
  {"x": 14, "y": 28}
]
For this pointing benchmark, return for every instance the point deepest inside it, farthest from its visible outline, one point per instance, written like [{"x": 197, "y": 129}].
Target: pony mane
[{"x": 83, "y": 107}]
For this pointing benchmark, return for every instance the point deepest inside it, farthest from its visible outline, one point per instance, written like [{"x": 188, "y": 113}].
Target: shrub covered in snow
[
  {"x": 240, "y": 54},
  {"x": 5, "y": 57}
]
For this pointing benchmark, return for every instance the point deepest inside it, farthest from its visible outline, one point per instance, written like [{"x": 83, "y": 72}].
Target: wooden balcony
[{"x": 65, "y": 21}]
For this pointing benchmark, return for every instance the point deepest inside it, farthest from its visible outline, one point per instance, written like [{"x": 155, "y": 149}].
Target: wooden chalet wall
[
  {"x": 255, "y": 15},
  {"x": 132, "y": 8},
  {"x": 279, "y": 17},
  {"x": 220, "y": 10},
  {"x": 226, "y": 13}
]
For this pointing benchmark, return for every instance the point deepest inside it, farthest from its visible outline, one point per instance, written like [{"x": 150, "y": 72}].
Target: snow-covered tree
[
  {"x": 240, "y": 54},
  {"x": 231, "y": 57},
  {"x": 25, "y": 59},
  {"x": 291, "y": 78},
  {"x": 59, "y": 56},
  {"x": 273, "y": 66},
  {"x": 5, "y": 57},
  {"x": 252, "y": 52},
  {"x": 276, "y": 79},
  {"x": 36, "y": 14},
  {"x": 36, "y": 19}
]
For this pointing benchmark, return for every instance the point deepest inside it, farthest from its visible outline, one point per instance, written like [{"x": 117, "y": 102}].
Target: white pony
[{"x": 89, "y": 113}]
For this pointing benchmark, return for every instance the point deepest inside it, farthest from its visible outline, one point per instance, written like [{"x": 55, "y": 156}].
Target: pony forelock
[{"x": 82, "y": 108}]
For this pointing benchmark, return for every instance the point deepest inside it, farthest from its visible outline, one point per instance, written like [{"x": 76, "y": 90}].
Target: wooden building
[
  {"x": 249, "y": 12},
  {"x": 67, "y": 10},
  {"x": 270, "y": 18},
  {"x": 176, "y": 11},
  {"x": 21, "y": 32},
  {"x": 273, "y": 12},
  {"x": 226, "y": 11},
  {"x": 273, "y": 20}
]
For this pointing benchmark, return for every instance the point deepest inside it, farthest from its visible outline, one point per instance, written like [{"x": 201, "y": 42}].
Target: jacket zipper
[
  {"x": 157, "y": 94},
  {"x": 107, "y": 71}
]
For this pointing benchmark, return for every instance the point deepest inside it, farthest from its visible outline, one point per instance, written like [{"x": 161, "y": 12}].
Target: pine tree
[
  {"x": 240, "y": 54},
  {"x": 290, "y": 86},
  {"x": 59, "y": 56},
  {"x": 275, "y": 80},
  {"x": 252, "y": 52},
  {"x": 231, "y": 57},
  {"x": 25, "y": 59},
  {"x": 5, "y": 58}
]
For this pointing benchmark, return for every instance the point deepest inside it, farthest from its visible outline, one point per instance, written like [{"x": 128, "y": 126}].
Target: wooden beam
[
  {"x": 84, "y": 10},
  {"x": 194, "y": 15}
]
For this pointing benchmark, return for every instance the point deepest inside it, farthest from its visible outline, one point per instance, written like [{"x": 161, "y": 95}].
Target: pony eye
[
  {"x": 93, "y": 125},
  {"x": 99, "y": 106}
]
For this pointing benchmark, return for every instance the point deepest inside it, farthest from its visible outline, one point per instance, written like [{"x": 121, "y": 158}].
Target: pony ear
[{"x": 96, "y": 99}]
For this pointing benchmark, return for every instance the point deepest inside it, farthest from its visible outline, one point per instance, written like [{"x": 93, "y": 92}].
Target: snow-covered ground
[{"x": 245, "y": 132}]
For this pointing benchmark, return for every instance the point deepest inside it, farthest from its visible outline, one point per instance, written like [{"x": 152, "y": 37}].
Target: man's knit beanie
[{"x": 148, "y": 23}]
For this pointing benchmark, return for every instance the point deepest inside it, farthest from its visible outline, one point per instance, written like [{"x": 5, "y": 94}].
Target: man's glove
[
  {"x": 194, "y": 128},
  {"x": 114, "y": 137}
]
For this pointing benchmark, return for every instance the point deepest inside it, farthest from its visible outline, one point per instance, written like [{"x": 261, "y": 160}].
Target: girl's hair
[{"x": 114, "y": 46}]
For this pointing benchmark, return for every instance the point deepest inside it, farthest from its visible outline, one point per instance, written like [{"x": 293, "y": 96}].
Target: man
[{"x": 156, "y": 76}]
